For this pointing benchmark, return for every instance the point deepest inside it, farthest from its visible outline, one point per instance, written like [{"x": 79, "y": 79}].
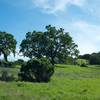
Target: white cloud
[
  {"x": 56, "y": 5},
  {"x": 92, "y": 8},
  {"x": 12, "y": 58},
  {"x": 17, "y": 56},
  {"x": 87, "y": 36}
]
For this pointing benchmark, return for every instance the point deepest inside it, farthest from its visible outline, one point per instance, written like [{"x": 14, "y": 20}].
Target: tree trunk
[
  {"x": 52, "y": 60},
  {"x": 5, "y": 57}
]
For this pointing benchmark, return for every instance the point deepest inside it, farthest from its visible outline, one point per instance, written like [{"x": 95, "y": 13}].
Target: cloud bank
[
  {"x": 56, "y": 6},
  {"x": 87, "y": 36}
]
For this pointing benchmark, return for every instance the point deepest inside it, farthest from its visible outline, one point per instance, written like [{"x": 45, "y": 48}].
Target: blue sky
[{"x": 79, "y": 17}]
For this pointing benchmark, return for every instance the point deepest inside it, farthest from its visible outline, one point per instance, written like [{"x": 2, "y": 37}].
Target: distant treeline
[{"x": 94, "y": 58}]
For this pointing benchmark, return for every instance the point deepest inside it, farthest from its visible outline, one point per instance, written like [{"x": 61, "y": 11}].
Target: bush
[
  {"x": 82, "y": 62},
  {"x": 39, "y": 70},
  {"x": 5, "y": 76},
  {"x": 69, "y": 61},
  {"x": 83, "y": 65},
  {"x": 6, "y": 64},
  {"x": 19, "y": 62}
]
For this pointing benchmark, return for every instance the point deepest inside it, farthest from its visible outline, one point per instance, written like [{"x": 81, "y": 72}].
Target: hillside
[{"x": 68, "y": 83}]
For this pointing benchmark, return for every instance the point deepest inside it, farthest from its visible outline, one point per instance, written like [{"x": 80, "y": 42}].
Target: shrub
[
  {"x": 82, "y": 62},
  {"x": 5, "y": 76},
  {"x": 6, "y": 64},
  {"x": 39, "y": 70},
  {"x": 83, "y": 65},
  {"x": 19, "y": 62},
  {"x": 69, "y": 60}
]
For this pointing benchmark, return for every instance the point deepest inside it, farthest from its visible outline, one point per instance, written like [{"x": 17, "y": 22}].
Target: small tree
[
  {"x": 82, "y": 62},
  {"x": 39, "y": 70},
  {"x": 7, "y": 44}
]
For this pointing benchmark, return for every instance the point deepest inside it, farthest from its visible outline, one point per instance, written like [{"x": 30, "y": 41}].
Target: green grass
[{"x": 68, "y": 83}]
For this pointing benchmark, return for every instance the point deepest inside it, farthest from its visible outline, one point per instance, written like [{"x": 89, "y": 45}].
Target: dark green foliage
[
  {"x": 39, "y": 70},
  {"x": 7, "y": 44},
  {"x": 53, "y": 43},
  {"x": 6, "y": 77},
  {"x": 83, "y": 65},
  {"x": 6, "y": 64},
  {"x": 94, "y": 58},
  {"x": 19, "y": 62},
  {"x": 85, "y": 56}
]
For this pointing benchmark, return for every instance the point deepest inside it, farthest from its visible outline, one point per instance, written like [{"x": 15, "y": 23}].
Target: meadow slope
[{"x": 68, "y": 83}]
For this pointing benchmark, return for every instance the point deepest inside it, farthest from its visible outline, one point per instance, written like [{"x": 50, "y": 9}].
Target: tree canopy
[
  {"x": 94, "y": 58},
  {"x": 7, "y": 44},
  {"x": 53, "y": 43}
]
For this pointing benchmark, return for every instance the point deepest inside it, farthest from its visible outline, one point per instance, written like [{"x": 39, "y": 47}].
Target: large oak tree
[{"x": 53, "y": 43}]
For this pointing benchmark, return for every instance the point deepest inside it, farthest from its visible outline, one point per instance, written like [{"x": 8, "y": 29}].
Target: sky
[{"x": 81, "y": 18}]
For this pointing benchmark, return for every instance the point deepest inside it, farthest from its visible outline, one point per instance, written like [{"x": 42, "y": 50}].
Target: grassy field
[{"x": 68, "y": 83}]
